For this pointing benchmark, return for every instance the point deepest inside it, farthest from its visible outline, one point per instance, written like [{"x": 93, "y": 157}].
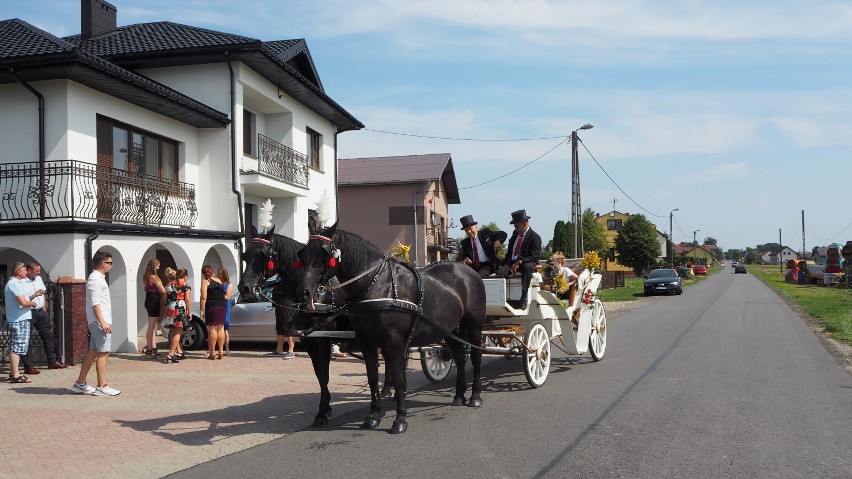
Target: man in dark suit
[
  {"x": 522, "y": 254},
  {"x": 477, "y": 250}
]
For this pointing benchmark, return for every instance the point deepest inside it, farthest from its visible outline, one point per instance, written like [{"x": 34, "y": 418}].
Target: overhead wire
[
  {"x": 566, "y": 139},
  {"x": 832, "y": 238},
  {"x": 464, "y": 139},
  {"x": 616, "y": 184}
]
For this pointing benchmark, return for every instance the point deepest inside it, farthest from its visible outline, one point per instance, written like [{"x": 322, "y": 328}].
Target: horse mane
[{"x": 350, "y": 242}]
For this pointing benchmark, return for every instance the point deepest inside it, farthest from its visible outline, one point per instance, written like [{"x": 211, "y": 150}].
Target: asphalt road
[{"x": 723, "y": 381}]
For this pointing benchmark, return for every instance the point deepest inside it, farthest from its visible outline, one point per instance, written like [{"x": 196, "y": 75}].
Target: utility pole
[
  {"x": 576, "y": 208},
  {"x": 613, "y": 204},
  {"x": 671, "y": 237},
  {"x": 803, "y": 235},
  {"x": 780, "y": 249},
  {"x": 694, "y": 241}
]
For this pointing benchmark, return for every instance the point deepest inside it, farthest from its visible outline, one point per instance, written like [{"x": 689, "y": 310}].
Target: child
[{"x": 178, "y": 310}]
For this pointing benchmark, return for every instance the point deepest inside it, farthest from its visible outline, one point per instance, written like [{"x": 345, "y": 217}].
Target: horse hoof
[
  {"x": 475, "y": 402},
  {"x": 458, "y": 402},
  {"x": 370, "y": 424},
  {"x": 399, "y": 427},
  {"x": 320, "y": 421},
  {"x": 386, "y": 393}
]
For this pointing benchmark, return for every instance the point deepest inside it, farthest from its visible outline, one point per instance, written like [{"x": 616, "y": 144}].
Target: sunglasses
[{"x": 107, "y": 262}]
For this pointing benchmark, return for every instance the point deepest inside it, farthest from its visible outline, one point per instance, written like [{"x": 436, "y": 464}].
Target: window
[
  {"x": 314, "y": 146},
  {"x": 136, "y": 151},
  {"x": 613, "y": 224},
  {"x": 249, "y": 133}
]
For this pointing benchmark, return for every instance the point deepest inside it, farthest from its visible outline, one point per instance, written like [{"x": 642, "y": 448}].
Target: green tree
[
  {"x": 594, "y": 236},
  {"x": 636, "y": 244},
  {"x": 734, "y": 254},
  {"x": 563, "y": 238},
  {"x": 751, "y": 256},
  {"x": 710, "y": 240}
]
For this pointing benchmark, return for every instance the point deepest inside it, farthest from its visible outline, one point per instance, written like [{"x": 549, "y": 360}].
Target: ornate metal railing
[
  {"x": 281, "y": 162},
  {"x": 78, "y": 190}
]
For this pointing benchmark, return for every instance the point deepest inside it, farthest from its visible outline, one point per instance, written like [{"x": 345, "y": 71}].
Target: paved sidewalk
[{"x": 169, "y": 416}]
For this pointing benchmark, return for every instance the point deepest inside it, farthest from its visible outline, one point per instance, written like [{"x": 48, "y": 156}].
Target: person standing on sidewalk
[
  {"x": 99, "y": 319},
  {"x": 155, "y": 298},
  {"x": 213, "y": 310},
  {"x": 18, "y": 314},
  {"x": 41, "y": 320},
  {"x": 225, "y": 277}
]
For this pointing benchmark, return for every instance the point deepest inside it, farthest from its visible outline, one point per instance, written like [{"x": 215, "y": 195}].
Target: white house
[
  {"x": 155, "y": 140},
  {"x": 771, "y": 257}
]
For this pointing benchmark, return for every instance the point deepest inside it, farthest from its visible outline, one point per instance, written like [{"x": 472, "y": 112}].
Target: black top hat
[
  {"x": 467, "y": 221},
  {"x": 518, "y": 216}
]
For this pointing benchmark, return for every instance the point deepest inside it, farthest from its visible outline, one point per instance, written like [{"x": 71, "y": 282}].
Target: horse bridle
[
  {"x": 271, "y": 264},
  {"x": 333, "y": 253}
]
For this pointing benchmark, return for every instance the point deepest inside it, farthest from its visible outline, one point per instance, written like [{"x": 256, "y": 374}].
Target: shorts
[
  {"x": 153, "y": 304},
  {"x": 99, "y": 340},
  {"x": 19, "y": 343}
]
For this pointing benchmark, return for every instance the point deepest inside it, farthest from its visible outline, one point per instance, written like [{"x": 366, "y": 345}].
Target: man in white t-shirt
[{"x": 99, "y": 319}]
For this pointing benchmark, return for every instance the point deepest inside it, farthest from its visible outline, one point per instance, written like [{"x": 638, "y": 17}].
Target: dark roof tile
[
  {"x": 157, "y": 37},
  {"x": 19, "y": 39}
]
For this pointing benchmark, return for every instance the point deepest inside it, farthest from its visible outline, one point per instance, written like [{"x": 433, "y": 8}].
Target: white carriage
[{"x": 575, "y": 328}]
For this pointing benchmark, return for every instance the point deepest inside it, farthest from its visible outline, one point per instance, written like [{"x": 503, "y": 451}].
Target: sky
[{"x": 737, "y": 114}]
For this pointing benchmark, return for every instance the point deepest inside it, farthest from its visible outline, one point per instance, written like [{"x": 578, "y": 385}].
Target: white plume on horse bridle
[
  {"x": 323, "y": 209},
  {"x": 265, "y": 215}
]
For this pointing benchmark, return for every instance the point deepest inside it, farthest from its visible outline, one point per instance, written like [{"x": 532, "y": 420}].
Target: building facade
[
  {"x": 155, "y": 140},
  {"x": 400, "y": 200}
]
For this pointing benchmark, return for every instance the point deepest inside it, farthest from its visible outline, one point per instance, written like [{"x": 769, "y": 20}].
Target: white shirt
[
  {"x": 35, "y": 285},
  {"x": 567, "y": 273},
  {"x": 97, "y": 294}
]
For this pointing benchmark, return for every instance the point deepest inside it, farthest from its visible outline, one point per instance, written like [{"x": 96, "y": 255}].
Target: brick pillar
[{"x": 74, "y": 320}]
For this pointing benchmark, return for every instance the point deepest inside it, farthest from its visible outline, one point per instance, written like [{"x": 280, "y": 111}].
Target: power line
[
  {"x": 616, "y": 184},
  {"x": 835, "y": 236},
  {"x": 464, "y": 139},
  {"x": 565, "y": 139}
]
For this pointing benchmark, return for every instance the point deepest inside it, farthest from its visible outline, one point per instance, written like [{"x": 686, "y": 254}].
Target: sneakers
[
  {"x": 106, "y": 390},
  {"x": 274, "y": 354},
  {"x": 83, "y": 388},
  {"x": 289, "y": 355}
]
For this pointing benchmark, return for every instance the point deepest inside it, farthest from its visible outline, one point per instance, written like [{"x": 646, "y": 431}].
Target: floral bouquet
[
  {"x": 591, "y": 260},
  {"x": 589, "y": 296}
]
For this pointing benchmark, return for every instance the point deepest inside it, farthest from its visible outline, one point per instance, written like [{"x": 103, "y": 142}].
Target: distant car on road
[
  {"x": 700, "y": 269},
  {"x": 740, "y": 268},
  {"x": 663, "y": 281},
  {"x": 734, "y": 264}
]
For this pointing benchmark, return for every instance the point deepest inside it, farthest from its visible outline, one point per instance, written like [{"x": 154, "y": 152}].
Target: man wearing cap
[
  {"x": 522, "y": 254},
  {"x": 477, "y": 250}
]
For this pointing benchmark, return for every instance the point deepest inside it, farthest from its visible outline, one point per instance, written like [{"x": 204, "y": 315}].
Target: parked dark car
[
  {"x": 740, "y": 268},
  {"x": 700, "y": 269},
  {"x": 663, "y": 281}
]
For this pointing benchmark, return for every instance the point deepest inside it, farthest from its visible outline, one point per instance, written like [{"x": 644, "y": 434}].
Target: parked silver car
[{"x": 250, "y": 322}]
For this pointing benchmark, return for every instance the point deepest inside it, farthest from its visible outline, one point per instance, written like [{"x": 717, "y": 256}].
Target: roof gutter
[{"x": 41, "y": 148}]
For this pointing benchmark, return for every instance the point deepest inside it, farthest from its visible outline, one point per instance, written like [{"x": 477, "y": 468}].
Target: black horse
[
  {"x": 393, "y": 306},
  {"x": 270, "y": 254}
]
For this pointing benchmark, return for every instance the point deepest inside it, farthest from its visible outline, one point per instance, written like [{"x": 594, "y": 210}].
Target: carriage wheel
[
  {"x": 537, "y": 355},
  {"x": 436, "y": 363},
  {"x": 597, "y": 339}
]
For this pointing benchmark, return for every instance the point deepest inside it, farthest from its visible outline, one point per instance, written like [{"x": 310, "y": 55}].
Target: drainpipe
[
  {"x": 41, "y": 149},
  {"x": 416, "y": 235},
  {"x": 336, "y": 184},
  {"x": 234, "y": 186},
  {"x": 87, "y": 251}
]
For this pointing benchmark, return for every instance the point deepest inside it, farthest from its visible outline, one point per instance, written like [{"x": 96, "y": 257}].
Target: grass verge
[{"x": 831, "y": 307}]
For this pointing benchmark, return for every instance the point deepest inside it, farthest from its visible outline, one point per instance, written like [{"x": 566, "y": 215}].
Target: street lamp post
[
  {"x": 694, "y": 241},
  {"x": 576, "y": 208},
  {"x": 671, "y": 237}
]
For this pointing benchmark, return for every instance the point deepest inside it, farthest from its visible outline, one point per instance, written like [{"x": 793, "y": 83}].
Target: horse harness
[{"x": 383, "y": 304}]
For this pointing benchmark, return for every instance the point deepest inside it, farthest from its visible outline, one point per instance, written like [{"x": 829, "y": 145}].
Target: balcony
[
  {"x": 77, "y": 190},
  {"x": 436, "y": 238},
  {"x": 276, "y": 170}
]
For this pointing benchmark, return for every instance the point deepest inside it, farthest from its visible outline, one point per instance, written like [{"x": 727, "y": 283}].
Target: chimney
[{"x": 97, "y": 17}]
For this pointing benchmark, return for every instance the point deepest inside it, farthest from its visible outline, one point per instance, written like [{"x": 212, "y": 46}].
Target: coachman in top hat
[
  {"x": 522, "y": 255},
  {"x": 478, "y": 249}
]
